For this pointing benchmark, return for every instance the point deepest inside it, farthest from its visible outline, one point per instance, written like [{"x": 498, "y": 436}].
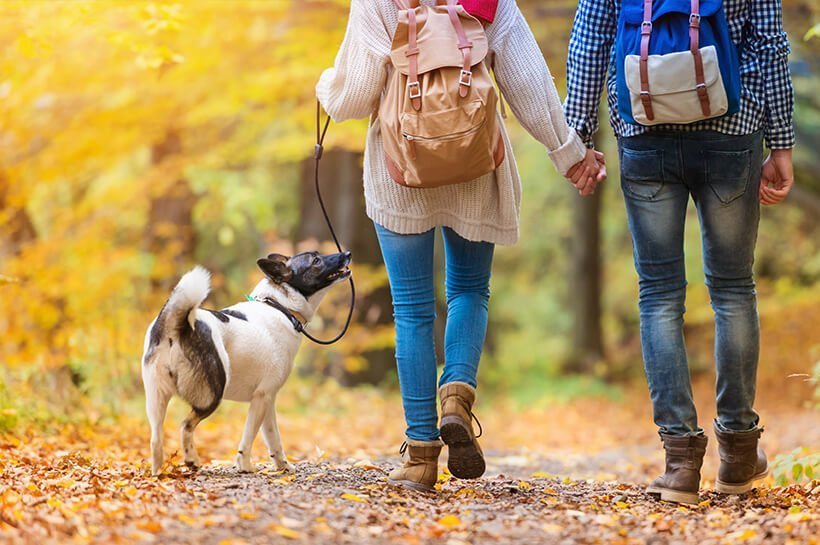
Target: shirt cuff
[
  {"x": 779, "y": 137},
  {"x": 570, "y": 153}
]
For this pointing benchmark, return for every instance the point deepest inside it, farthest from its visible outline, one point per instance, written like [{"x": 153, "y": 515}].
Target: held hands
[
  {"x": 586, "y": 174},
  {"x": 777, "y": 176}
]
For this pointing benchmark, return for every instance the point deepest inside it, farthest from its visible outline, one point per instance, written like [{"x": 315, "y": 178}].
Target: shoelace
[{"x": 477, "y": 421}]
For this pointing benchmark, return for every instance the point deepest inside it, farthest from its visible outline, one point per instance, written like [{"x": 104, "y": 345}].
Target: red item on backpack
[{"x": 481, "y": 9}]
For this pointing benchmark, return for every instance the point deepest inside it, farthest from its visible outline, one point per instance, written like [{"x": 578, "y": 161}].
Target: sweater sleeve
[
  {"x": 352, "y": 87},
  {"x": 527, "y": 85}
]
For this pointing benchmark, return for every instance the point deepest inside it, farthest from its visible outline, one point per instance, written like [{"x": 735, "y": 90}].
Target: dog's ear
[{"x": 276, "y": 268}]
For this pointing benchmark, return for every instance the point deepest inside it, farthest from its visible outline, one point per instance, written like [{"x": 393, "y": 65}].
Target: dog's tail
[{"x": 188, "y": 294}]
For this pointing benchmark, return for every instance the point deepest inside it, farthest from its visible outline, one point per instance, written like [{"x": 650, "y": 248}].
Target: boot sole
[
  {"x": 418, "y": 487},
  {"x": 676, "y": 496},
  {"x": 465, "y": 460},
  {"x": 739, "y": 488}
]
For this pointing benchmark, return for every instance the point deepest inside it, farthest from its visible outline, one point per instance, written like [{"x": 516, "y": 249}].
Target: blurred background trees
[{"x": 138, "y": 138}]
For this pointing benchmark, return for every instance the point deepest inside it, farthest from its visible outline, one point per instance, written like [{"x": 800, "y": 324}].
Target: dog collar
[{"x": 298, "y": 325}]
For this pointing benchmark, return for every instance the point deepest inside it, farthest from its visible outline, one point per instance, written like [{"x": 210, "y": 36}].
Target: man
[{"x": 719, "y": 164}]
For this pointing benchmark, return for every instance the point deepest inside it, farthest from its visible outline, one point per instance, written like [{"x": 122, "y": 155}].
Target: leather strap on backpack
[
  {"x": 412, "y": 54},
  {"x": 465, "y": 79},
  {"x": 694, "y": 47},
  {"x": 646, "y": 32}
]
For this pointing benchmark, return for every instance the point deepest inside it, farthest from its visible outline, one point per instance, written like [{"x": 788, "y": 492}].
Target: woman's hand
[{"x": 586, "y": 174}]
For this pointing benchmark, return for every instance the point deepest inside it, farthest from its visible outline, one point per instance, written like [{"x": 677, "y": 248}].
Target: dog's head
[{"x": 308, "y": 272}]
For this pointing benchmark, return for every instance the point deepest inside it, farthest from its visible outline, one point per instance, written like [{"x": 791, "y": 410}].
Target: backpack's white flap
[
  {"x": 437, "y": 40},
  {"x": 672, "y": 86}
]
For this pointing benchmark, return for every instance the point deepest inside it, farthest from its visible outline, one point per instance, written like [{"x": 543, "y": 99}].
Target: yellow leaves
[
  {"x": 247, "y": 516},
  {"x": 150, "y": 526},
  {"x": 553, "y": 529},
  {"x": 451, "y": 522},
  {"x": 354, "y": 497},
  {"x": 158, "y": 18},
  {"x": 367, "y": 464},
  {"x": 741, "y": 535},
  {"x": 131, "y": 492},
  {"x": 287, "y": 479},
  {"x": 524, "y": 485},
  {"x": 621, "y": 505},
  {"x": 284, "y": 531}
]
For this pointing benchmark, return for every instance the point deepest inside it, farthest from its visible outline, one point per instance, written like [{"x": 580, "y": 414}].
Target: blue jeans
[
  {"x": 659, "y": 172},
  {"x": 409, "y": 263}
]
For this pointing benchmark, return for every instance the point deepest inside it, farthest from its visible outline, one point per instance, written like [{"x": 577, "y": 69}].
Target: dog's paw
[
  {"x": 244, "y": 464},
  {"x": 285, "y": 466}
]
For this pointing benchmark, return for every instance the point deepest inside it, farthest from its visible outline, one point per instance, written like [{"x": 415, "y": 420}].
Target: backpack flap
[
  {"x": 633, "y": 9},
  {"x": 672, "y": 81},
  {"x": 437, "y": 40}
]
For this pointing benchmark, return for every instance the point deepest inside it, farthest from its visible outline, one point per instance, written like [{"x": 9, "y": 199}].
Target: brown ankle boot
[
  {"x": 684, "y": 458},
  {"x": 465, "y": 458},
  {"x": 420, "y": 469},
  {"x": 742, "y": 461}
]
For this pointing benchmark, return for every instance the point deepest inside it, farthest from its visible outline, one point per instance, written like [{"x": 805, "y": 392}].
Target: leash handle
[{"x": 318, "y": 151}]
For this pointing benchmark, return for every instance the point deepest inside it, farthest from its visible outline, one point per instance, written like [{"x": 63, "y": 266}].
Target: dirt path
[{"x": 339, "y": 503}]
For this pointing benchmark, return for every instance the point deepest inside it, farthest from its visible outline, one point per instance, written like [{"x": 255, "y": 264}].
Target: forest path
[{"x": 517, "y": 502}]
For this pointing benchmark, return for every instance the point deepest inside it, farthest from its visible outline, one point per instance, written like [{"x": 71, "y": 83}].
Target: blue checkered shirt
[{"x": 767, "y": 95}]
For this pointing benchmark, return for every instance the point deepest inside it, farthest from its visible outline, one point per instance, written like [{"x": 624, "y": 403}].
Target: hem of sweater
[{"x": 473, "y": 231}]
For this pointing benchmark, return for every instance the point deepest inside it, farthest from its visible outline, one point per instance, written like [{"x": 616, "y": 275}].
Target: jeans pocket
[
  {"x": 727, "y": 173},
  {"x": 642, "y": 173}
]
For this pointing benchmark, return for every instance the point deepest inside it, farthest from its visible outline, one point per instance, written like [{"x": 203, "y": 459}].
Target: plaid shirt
[{"x": 767, "y": 96}]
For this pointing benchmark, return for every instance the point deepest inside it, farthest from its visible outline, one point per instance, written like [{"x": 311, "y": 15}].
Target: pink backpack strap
[{"x": 465, "y": 80}]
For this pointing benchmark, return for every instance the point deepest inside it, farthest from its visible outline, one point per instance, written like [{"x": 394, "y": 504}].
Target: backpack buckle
[
  {"x": 414, "y": 87},
  {"x": 694, "y": 20},
  {"x": 646, "y": 28},
  {"x": 466, "y": 78}
]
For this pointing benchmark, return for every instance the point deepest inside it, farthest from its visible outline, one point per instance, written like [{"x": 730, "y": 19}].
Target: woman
[{"x": 473, "y": 216}]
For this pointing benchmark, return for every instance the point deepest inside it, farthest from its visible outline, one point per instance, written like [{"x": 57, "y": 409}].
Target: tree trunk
[
  {"x": 585, "y": 284},
  {"x": 18, "y": 229},
  {"x": 341, "y": 185},
  {"x": 170, "y": 232}
]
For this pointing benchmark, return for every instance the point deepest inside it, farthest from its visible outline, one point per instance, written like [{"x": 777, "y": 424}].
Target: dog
[{"x": 242, "y": 353}]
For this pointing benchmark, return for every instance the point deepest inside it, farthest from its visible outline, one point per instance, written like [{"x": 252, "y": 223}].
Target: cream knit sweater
[{"x": 484, "y": 209}]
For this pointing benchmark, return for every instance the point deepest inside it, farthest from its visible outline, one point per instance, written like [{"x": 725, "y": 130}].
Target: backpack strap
[
  {"x": 412, "y": 54},
  {"x": 646, "y": 32},
  {"x": 465, "y": 80},
  {"x": 694, "y": 47}
]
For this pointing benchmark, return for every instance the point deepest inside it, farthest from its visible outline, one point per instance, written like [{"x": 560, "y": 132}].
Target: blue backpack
[{"x": 675, "y": 62}]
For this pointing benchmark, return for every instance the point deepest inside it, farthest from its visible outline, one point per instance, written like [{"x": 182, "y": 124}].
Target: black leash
[{"x": 318, "y": 149}]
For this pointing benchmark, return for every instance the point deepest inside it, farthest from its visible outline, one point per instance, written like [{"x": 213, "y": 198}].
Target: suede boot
[
  {"x": 465, "y": 459},
  {"x": 742, "y": 461},
  {"x": 684, "y": 458},
  {"x": 420, "y": 468}
]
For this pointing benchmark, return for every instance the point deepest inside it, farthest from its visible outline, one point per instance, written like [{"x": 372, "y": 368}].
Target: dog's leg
[
  {"x": 259, "y": 402},
  {"x": 187, "y": 432},
  {"x": 270, "y": 433},
  {"x": 156, "y": 405}
]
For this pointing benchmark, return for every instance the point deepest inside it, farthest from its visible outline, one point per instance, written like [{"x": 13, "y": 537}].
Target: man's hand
[
  {"x": 586, "y": 174},
  {"x": 776, "y": 177}
]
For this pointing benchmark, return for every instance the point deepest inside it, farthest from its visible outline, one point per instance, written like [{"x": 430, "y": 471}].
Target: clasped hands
[{"x": 585, "y": 175}]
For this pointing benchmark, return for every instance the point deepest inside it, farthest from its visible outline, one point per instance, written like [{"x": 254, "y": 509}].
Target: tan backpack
[{"x": 438, "y": 114}]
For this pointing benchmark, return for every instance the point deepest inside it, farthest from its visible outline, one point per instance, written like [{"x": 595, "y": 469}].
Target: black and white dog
[{"x": 242, "y": 353}]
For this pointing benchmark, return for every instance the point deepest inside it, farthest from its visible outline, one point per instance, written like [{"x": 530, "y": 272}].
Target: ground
[{"x": 558, "y": 472}]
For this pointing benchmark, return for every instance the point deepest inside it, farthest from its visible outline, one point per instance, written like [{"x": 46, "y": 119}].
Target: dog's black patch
[
  {"x": 199, "y": 349},
  {"x": 155, "y": 336},
  {"x": 235, "y": 314},
  {"x": 170, "y": 342},
  {"x": 219, "y": 314}
]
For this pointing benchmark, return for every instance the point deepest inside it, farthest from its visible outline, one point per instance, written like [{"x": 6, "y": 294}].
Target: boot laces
[
  {"x": 477, "y": 421},
  {"x": 403, "y": 448}
]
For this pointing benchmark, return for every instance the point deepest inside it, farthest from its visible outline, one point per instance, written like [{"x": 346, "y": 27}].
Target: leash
[{"x": 318, "y": 150}]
